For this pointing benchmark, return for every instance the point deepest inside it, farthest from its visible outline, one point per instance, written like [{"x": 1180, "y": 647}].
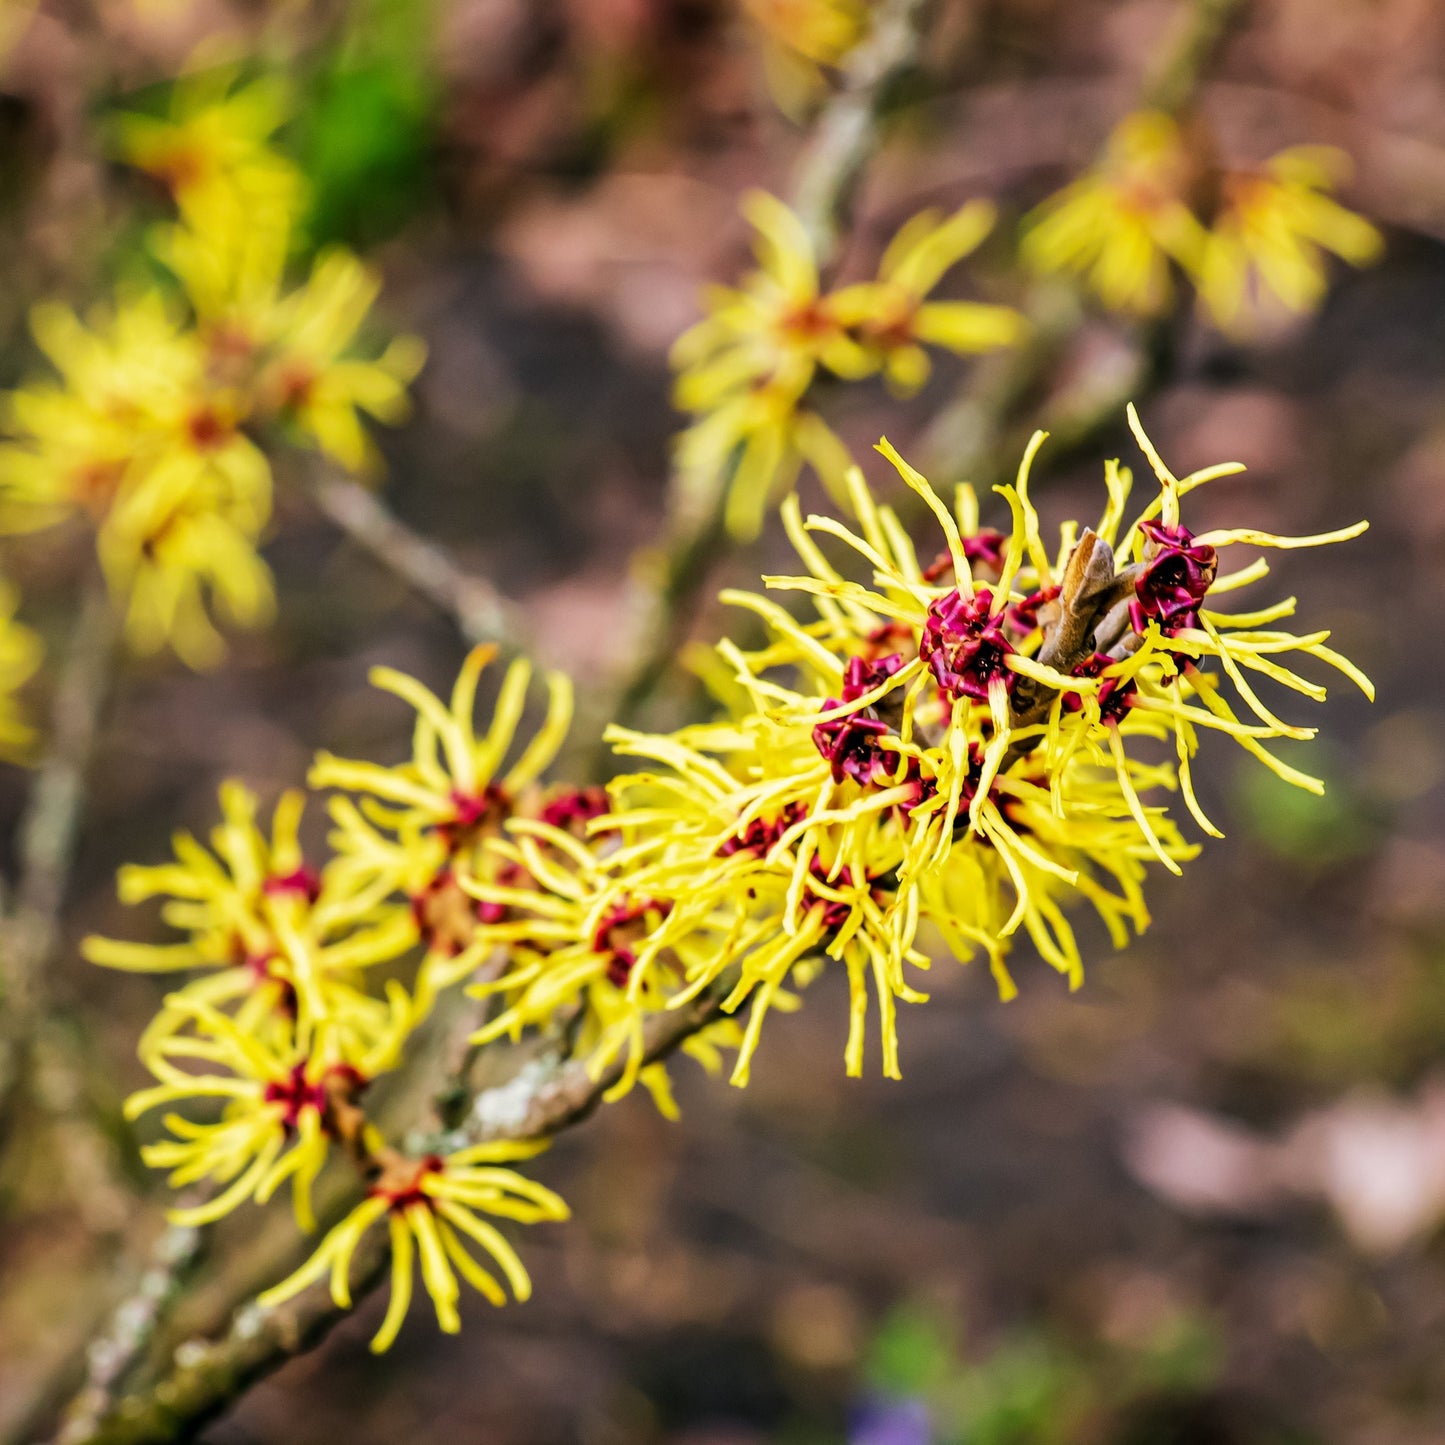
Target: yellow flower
[
  {"x": 20, "y": 654},
  {"x": 1122, "y": 224},
  {"x": 1272, "y": 234},
  {"x": 954, "y": 746},
  {"x": 895, "y": 319},
  {"x": 572, "y": 931},
  {"x": 800, "y": 38},
  {"x": 279, "y": 1097},
  {"x": 150, "y": 431},
  {"x": 455, "y": 787},
  {"x": 765, "y": 437},
  {"x": 778, "y": 323},
  {"x": 434, "y": 1207},
  {"x": 125, "y": 376},
  {"x": 821, "y": 30},
  {"x": 313, "y": 381},
  {"x": 178, "y": 555},
  {"x": 760, "y": 867},
  {"x": 292, "y": 352},
  {"x": 421, "y": 828},
  {"x": 270, "y": 932},
  {"x": 746, "y": 367},
  {"x": 141, "y": 438},
  {"x": 213, "y": 151}
]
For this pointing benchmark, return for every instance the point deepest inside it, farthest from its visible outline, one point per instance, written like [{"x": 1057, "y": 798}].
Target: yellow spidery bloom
[
  {"x": 801, "y": 39},
  {"x": 314, "y": 382},
  {"x": 140, "y": 438},
  {"x": 764, "y": 874},
  {"x": 893, "y": 315},
  {"x": 269, "y": 932},
  {"x": 178, "y": 557},
  {"x": 20, "y": 654},
  {"x": 572, "y": 931},
  {"x": 1122, "y": 224},
  {"x": 778, "y": 322},
  {"x": 456, "y": 788},
  {"x": 420, "y": 828},
  {"x": 152, "y": 430},
  {"x": 294, "y": 350},
  {"x": 434, "y": 1209},
  {"x": 125, "y": 374},
  {"x": 275, "y": 1125},
  {"x": 1272, "y": 234}
]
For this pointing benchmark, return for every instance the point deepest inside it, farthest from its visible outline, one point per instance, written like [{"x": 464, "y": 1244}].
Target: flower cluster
[
  {"x": 1248, "y": 239},
  {"x": 948, "y": 751},
  {"x": 152, "y": 428},
  {"x": 281, "y": 1022},
  {"x": 747, "y": 369}
]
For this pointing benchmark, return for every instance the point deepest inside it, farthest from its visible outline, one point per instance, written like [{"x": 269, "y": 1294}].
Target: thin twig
[
  {"x": 848, "y": 130},
  {"x": 845, "y": 137},
  {"x": 37, "y": 1050},
  {"x": 206, "y": 1377},
  {"x": 51, "y": 824},
  {"x": 115, "y": 1352},
  {"x": 1172, "y": 85},
  {"x": 480, "y": 612},
  {"x": 970, "y": 439}
]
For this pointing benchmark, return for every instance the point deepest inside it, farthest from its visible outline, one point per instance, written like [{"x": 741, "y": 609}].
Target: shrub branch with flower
[
  {"x": 942, "y": 745},
  {"x": 951, "y": 748}
]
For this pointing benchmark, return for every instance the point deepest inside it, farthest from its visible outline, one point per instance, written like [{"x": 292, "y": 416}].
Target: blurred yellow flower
[
  {"x": 800, "y": 40},
  {"x": 745, "y": 371},
  {"x": 125, "y": 373},
  {"x": 140, "y": 439},
  {"x": 895, "y": 319},
  {"x": 1272, "y": 234},
  {"x": 1121, "y": 225},
  {"x": 213, "y": 151},
  {"x": 313, "y": 382},
  {"x": 777, "y": 325},
  {"x": 152, "y": 430}
]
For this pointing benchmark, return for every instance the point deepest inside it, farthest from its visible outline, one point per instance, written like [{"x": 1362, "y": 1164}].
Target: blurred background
[{"x": 1198, "y": 1201}]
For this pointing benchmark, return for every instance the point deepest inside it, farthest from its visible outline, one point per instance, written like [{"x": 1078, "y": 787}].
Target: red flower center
[
  {"x": 964, "y": 645},
  {"x": 620, "y": 931}
]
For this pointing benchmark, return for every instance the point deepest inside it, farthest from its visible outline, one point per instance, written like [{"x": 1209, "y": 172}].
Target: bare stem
[
  {"x": 480, "y": 612},
  {"x": 849, "y": 129},
  {"x": 1174, "y": 82},
  {"x": 49, "y": 831},
  {"x": 115, "y": 1352}
]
